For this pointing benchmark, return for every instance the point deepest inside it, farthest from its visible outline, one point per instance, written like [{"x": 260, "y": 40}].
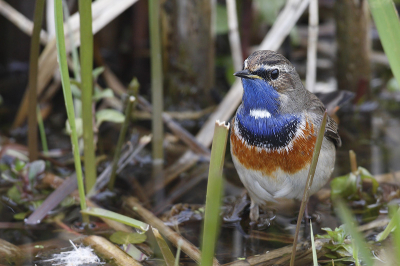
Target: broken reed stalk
[
  {"x": 86, "y": 57},
  {"x": 33, "y": 78},
  {"x": 121, "y": 138},
  {"x": 311, "y": 75},
  {"x": 156, "y": 82},
  {"x": 310, "y": 177},
  {"x": 176, "y": 239},
  {"x": 353, "y": 161},
  {"x": 62, "y": 61},
  {"x": 214, "y": 193}
]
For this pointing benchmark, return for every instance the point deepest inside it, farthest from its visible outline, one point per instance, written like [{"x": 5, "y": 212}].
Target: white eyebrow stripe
[
  {"x": 259, "y": 113},
  {"x": 281, "y": 68},
  {"x": 245, "y": 64}
]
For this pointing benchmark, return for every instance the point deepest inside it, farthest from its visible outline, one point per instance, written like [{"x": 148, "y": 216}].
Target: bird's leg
[{"x": 254, "y": 211}]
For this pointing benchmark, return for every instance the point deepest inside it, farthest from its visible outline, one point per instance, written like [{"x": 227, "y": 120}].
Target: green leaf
[
  {"x": 364, "y": 174},
  {"x": 100, "y": 94},
  {"x": 36, "y": 168},
  {"x": 344, "y": 186},
  {"x": 76, "y": 91},
  {"x": 123, "y": 238},
  {"x": 97, "y": 72},
  {"x": 19, "y": 165},
  {"x": 109, "y": 115},
  {"x": 21, "y": 215},
  {"x": 78, "y": 125},
  {"x": 14, "y": 194}
]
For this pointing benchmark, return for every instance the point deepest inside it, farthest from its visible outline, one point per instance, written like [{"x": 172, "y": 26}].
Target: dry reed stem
[
  {"x": 234, "y": 38},
  {"x": 187, "y": 247},
  {"x": 311, "y": 74},
  {"x": 108, "y": 251},
  {"x": 19, "y": 20}
]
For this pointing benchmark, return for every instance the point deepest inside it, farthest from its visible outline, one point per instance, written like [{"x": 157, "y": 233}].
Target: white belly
[{"x": 263, "y": 188}]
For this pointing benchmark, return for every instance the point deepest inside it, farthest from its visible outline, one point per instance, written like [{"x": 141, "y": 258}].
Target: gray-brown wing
[{"x": 331, "y": 129}]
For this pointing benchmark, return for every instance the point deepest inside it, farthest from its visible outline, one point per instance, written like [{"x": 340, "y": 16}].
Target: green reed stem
[
  {"x": 156, "y": 81},
  {"x": 62, "y": 61},
  {"x": 33, "y": 76},
  {"x": 121, "y": 139},
  {"x": 85, "y": 15},
  {"x": 42, "y": 131},
  {"x": 310, "y": 179},
  {"x": 214, "y": 193}
]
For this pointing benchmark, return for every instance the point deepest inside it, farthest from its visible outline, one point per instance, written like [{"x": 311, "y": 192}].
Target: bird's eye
[{"x": 274, "y": 74}]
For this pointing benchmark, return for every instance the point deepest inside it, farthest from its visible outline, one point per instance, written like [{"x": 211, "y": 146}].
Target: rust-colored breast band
[{"x": 268, "y": 161}]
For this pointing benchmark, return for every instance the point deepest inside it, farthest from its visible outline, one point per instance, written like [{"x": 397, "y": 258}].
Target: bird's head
[{"x": 271, "y": 84}]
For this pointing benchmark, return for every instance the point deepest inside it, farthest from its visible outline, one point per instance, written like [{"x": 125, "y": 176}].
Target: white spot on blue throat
[{"x": 260, "y": 113}]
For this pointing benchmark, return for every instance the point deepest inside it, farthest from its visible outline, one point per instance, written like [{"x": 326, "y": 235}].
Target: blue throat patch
[{"x": 273, "y": 132}]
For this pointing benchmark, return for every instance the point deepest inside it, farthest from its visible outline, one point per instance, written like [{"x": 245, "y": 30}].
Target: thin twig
[
  {"x": 175, "y": 238},
  {"x": 121, "y": 138},
  {"x": 312, "y": 46}
]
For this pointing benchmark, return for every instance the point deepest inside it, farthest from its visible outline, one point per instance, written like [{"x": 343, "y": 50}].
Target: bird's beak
[{"x": 246, "y": 74}]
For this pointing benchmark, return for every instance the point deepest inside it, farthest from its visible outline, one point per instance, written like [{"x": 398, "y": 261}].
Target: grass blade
[
  {"x": 62, "y": 61},
  {"x": 387, "y": 22},
  {"x": 382, "y": 236},
  {"x": 357, "y": 238},
  {"x": 85, "y": 15},
  {"x": 314, "y": 251},
  {"x": 166, "y": 252},
  {"x": 99, "y": 212},
  {"x": 214, "y": 193},
  {"x": 310, "y": 178}
]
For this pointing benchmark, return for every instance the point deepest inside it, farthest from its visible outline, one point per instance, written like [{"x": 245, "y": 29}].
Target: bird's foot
[{"x": 254, "y": 212}]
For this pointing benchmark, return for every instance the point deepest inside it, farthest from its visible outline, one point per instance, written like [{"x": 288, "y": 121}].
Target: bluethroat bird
[{"x": 274, "y": 132}]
